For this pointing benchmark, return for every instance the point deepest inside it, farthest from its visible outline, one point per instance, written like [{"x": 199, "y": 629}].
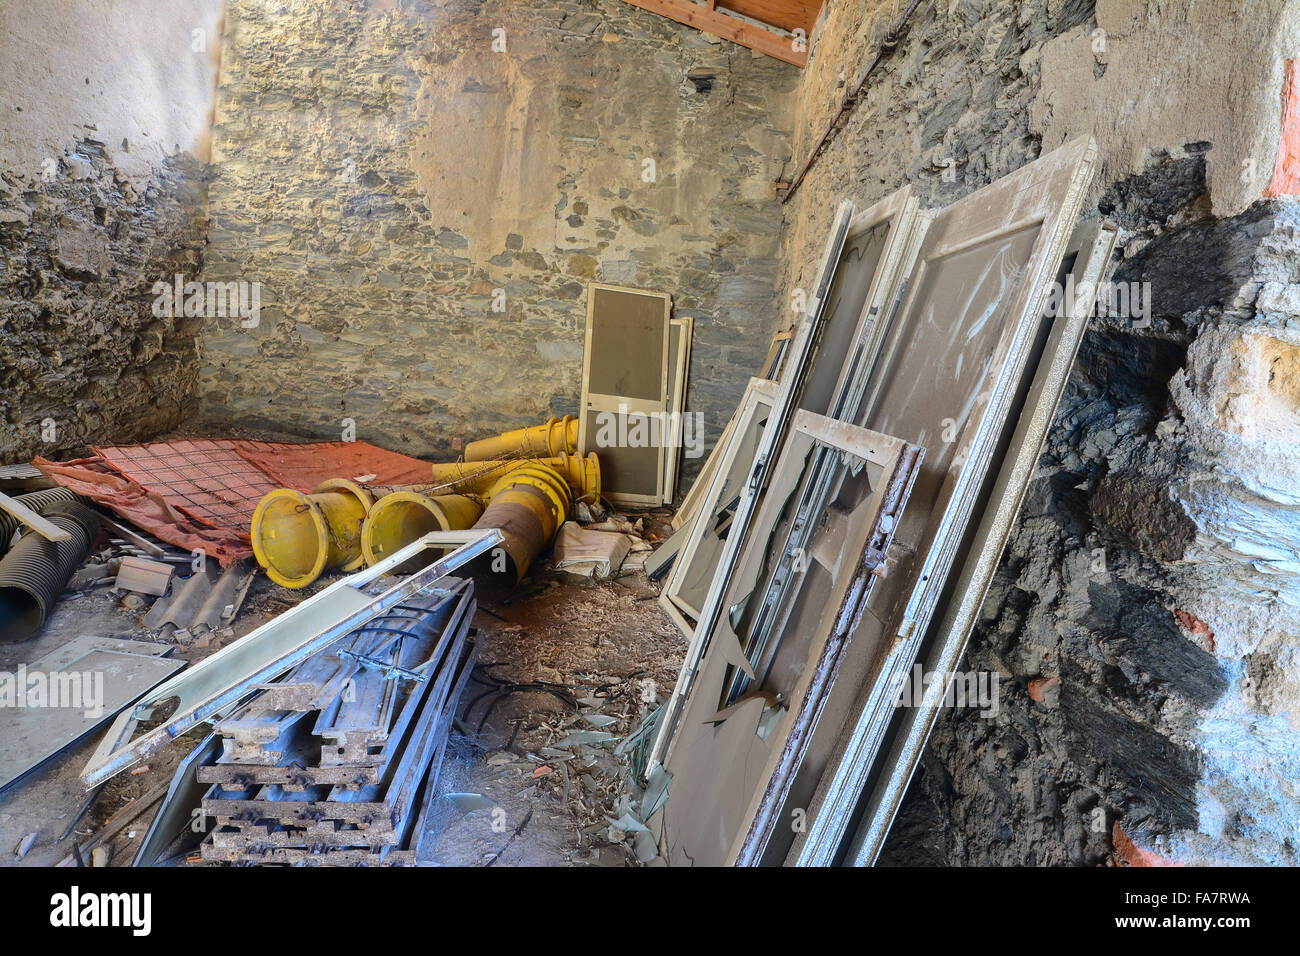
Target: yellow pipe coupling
[
  {"x": 527, "y": 505},
  {"x": 478, "y": 477},
  {"x": 297, "y": 537},
  {"x": 582, "y": 472},
  {"x": 397, "y": 519},
  {"x": 559, "y": 436}
]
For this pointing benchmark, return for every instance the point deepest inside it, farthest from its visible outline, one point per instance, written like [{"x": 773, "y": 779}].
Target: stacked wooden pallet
[{"x": 337, "y": 763}]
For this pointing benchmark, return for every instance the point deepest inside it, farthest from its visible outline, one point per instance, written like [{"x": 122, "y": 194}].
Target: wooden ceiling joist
[
  {"x": 789, "y": 15},
  {"x": 719, "y": 17}
]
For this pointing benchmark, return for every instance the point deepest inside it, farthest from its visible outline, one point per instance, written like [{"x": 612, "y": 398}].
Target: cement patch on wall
[
  {"x": 1145, "y": 77},
  {"x": 138, "y": 77}
]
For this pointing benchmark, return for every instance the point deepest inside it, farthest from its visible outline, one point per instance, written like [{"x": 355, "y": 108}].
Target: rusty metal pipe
[{"x": 527, "y": 505}]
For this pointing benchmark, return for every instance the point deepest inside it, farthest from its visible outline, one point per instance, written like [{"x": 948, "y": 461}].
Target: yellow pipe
[
  {"x": 297, "y": 537},
  {"x": 528, "y": 505},
  {"x": 478, "y": 477},
  {"x": 472, "y": 477},
  {"x": 559, "y": 436},
  {"x": 399, "y": 518}
]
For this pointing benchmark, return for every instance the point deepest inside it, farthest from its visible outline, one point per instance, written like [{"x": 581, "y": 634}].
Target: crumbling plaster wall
[
  {"x": 390, "y": 178},
  {"x": 1145, "y": 617},
  {"x": 104, "y": 114}
]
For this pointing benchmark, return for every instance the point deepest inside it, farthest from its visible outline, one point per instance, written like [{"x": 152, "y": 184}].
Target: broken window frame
[
  {"x": 751, "y": 419},
  {"x": 680, "y": 333},
  {"x": 1047, "y": 194},
  {"x": 905, "y": 227},
  {"x": 810, "y": 354},
  {"x": 891, "y": 465},
  {"x": 782, "y": 409}
]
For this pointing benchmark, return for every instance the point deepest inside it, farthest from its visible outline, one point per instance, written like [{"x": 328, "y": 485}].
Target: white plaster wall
[
  {"x": 113, "y": 70},
  {"x": 1173, "y": 73}
]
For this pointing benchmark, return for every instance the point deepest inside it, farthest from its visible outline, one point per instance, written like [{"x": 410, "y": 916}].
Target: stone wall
[
  {"x": 390, "y": 178},
  {"x": 1144, "y": 619},
  {"x": 101, "y": 195}
]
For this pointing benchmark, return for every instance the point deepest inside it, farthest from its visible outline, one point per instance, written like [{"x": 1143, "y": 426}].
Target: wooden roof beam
[{"x": 711, "y": 20}]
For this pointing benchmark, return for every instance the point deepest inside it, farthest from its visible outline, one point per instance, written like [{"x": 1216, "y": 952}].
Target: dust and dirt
[{"x": 536, "y": 771}]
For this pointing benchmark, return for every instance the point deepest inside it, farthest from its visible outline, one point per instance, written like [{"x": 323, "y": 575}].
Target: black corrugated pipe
[
  {"x": 38, "y": 501},
  {"x": 34, "y": 573}
]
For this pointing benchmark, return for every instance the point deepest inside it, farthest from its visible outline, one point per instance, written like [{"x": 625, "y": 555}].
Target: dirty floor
[{"x": 536, "y": 771}]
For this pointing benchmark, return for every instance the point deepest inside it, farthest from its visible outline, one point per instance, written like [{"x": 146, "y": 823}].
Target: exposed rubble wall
[
  {"x": 101, "y": 195},
  {"x": 1144, "y": 619},
  {"x": 424, "y": 191}
]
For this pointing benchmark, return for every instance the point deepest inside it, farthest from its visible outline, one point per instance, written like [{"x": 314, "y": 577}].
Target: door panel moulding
[
  {"x": 1086, "y": 261},
  {"x": 622, "y": 386},
  {"x": 989, "y": 260},
  {"x": 712, "y": 818},
  {"x": 217, "y": 683}
]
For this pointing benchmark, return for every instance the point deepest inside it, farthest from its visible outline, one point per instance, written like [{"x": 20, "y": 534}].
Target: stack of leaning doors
[{"x": 911, "y": 407}]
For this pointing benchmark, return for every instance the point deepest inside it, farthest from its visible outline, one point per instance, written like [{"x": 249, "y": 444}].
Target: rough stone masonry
[
  {"x": 1145, "y": 619},
  {"x": 425, "y": 190},
  {"x": 102, "y": 194}
]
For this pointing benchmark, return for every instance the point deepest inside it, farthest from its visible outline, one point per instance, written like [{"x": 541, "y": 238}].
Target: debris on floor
[
  {"x": 221, "y": 681},
  {"x": 275, "y": 776},
  {"x": 56, "y": 700},
  {"x": 589, "y": 552},
  {"x": 343, "y": 777},
  {"x": 144, "y": 576}
]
